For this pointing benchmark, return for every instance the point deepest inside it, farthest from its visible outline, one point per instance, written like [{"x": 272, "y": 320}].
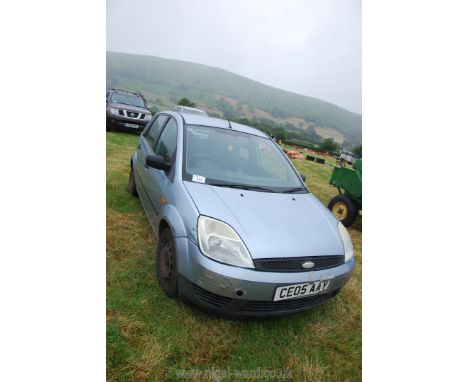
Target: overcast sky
[{"x": 311, "y": 47}]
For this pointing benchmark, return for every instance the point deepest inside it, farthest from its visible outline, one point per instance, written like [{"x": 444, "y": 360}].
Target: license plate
[
  {"x": 132, "y": 125},
  {"x": 301, "y": 290}
]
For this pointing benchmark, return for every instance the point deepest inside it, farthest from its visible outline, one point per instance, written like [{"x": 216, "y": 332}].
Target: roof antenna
[{"x": 229, "y": 124}]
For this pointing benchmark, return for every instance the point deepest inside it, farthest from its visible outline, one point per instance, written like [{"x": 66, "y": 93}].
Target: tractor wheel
[{"x": 344, "y": 209}]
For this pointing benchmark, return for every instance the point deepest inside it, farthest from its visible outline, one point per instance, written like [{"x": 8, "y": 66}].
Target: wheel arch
[
  {"x": 171, "y": 219},
  {"x": 163, "y": 224}
]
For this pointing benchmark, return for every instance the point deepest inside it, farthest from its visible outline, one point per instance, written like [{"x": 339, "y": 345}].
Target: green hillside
[{"x": 226, "y": 94}]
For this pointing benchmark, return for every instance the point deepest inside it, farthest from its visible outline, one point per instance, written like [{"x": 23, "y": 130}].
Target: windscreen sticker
[{"x": 198, "y": 178}]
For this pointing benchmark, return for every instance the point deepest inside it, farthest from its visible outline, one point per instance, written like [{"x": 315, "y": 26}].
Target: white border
[
  {"x": 415, "y": 216},
  {"x": 52, "y": 271},
  {"x": 52, "y": 246}
]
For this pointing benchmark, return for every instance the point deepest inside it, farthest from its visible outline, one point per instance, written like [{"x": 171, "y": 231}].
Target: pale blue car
[{"x": 238, "y": 232}]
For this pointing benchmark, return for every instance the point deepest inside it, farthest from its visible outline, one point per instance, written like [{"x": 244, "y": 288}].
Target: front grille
[
  {"x": 121, "y": 112},
  {"x": 285, "y": 305},
  {"x": 294, "y": 264},
  {"x": 210, "y": 298},
  {"x": 142, "y": 116},
  {"x": 132, "y": 114}
]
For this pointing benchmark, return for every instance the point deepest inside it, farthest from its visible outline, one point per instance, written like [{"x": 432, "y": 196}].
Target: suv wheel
[{"x": 166, "y": 265}]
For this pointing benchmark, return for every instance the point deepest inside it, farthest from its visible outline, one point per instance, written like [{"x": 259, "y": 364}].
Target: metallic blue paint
[{"x": 272, "y": 225}]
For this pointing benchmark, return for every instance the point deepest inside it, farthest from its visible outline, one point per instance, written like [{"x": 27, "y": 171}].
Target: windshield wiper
[
  {"x": 243, "y": 187},
  {"x": 294, "y": 190}
]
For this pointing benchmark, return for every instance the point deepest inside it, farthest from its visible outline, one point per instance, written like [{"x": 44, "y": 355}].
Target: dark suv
[{"x": 126, "y": 111}]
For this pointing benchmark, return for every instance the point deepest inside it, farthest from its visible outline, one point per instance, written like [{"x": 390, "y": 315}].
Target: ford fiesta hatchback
[{"x": 238, "y": 231}]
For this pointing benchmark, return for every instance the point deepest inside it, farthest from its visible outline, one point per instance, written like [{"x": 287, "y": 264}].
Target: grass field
[{"x": 150, "y": 337}]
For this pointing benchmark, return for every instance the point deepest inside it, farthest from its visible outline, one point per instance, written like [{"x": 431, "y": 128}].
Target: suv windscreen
[
  {"x": 128, "y": 99},
  {"x": 235, "y": 159}
]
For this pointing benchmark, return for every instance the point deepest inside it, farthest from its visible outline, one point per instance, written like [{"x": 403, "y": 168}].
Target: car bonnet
[{"x": 272, "y": 225}]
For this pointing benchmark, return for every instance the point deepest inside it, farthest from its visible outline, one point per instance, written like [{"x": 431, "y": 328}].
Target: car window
[
  {"x": 153, "y": 131},
  {"x": 228, "y": 156},
  {"x": 167, "y": 142},
  {"x": 271, "y": 162}
]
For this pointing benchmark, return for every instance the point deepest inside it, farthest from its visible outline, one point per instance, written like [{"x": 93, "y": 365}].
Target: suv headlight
[
  {"x": 220, "y": 242},
  {"x": 114, "y": 111},
  {"x": 147, "y": 117},
  {"x": 347, "y": 243}
]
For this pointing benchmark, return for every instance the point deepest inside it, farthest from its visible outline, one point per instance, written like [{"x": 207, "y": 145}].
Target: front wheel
[
  {"x": 344, "y": 209},
  {"x": 166, "y": 264}
]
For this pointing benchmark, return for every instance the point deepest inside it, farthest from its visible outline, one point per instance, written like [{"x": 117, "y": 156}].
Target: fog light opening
[{"x": 239, "y": 292}]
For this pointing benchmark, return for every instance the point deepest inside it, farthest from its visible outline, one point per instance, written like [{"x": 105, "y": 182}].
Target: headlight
[
  {"x": 147, "y": 117},
  {"x": 347, "y": 243},
  {"x": 220, "y": 242},
  {"x": 114, "y": 111}
]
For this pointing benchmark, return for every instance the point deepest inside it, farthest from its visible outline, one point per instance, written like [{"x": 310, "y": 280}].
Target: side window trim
[
  {"x": 171, "y": 173},
  {"x": 156, "y": 138},
  {"x": 150, "y": 125},
  {"x": 160, "y": 133},
  {"x": 146, "y": 143}
]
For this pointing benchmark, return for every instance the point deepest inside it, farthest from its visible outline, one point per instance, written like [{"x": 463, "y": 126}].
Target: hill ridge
[{"x": 218, "y": 90}]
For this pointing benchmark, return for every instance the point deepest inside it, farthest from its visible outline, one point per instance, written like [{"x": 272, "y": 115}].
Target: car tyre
[
  {"x": 166, "y": 264},
  {"x": 344, "y": 209},
  {"x": 131, "y": 183}
]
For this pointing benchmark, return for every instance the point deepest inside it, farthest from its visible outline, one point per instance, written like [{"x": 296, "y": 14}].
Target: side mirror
[
  {"x": 303, "y": 177},
  {"x": 157, "y": 162}
]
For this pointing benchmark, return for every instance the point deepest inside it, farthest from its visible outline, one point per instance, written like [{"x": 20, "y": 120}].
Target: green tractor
[{"x": 348, "y": 203}]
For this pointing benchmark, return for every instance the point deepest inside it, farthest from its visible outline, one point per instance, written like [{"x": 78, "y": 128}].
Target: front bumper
[
  {"x": 124, "y": 124},
  {"x": 242, "y": 292}
]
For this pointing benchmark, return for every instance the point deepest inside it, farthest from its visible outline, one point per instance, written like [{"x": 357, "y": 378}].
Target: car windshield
[
  {"x": 230, "y": 158},
  {"x": 128, "y": 99}
]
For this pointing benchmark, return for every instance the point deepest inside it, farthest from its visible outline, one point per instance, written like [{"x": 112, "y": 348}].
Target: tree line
[{"x": 307, "y": 138}]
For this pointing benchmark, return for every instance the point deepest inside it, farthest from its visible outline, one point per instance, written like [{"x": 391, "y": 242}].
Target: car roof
[
  {"x": 125, "y": 92},
  {"x": 202, "y": 120},
  {"x": 189, "y": 109}
]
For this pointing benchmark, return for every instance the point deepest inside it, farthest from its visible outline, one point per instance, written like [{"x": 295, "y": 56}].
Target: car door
[
  {"x": 146, "y": 145},
  {"x": 159, "y": 181}
]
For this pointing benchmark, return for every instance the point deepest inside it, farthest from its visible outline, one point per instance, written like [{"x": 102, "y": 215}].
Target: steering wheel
[{"x": 206, "y": 158}]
